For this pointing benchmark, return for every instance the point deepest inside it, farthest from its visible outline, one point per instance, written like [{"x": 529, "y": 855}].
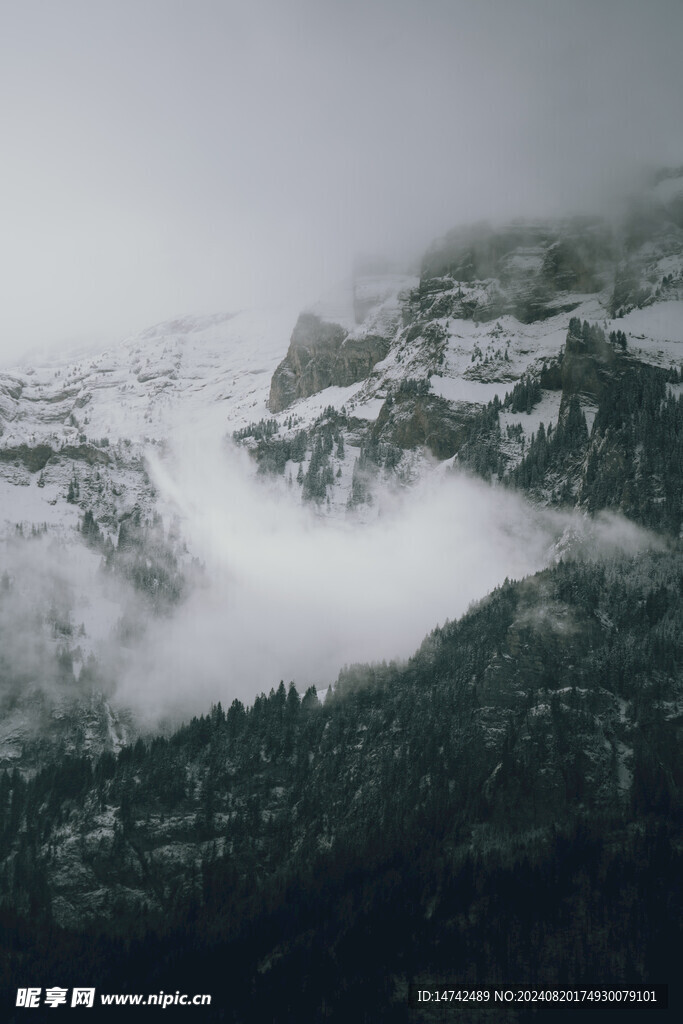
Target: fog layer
[
  {"x": 288, "y": 595},
  {"x": 161, "y": 157}
]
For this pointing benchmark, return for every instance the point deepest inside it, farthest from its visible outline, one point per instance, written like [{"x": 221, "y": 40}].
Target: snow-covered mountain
[
  {"x": 377, "y": 385},
  {"x": 489, "y": 307},
  {"x": 184, "y": 484}
]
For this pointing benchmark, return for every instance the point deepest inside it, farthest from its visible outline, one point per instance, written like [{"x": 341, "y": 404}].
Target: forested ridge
[
  {"x": 631, "y": 460},
  {"x": 503, "y": 808}
]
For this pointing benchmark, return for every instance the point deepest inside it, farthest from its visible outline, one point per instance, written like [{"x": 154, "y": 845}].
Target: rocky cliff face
[
  {"x": 426, "y": 421},
  {"x": 530, "y": 271},
  {"x": 41, "y": 725},
  {"x": 322, "y": 355},
  {"x": 587, "y": 364},
  {"x": 493, "y": 309}
]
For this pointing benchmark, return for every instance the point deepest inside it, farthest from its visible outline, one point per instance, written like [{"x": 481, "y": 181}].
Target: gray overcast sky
[{"x": 162, "y": 157}]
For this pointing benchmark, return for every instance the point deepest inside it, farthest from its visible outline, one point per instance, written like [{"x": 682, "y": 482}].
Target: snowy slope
[
  {"x": 97, "y": 416},
  {"x": 95, "y": 433}
]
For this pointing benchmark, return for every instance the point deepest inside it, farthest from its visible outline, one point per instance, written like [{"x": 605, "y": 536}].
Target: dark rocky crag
[
  {"x": 409, "y": 422},
  {"x": 529, "y": 270},
  {"x": 321, "y": 355}
]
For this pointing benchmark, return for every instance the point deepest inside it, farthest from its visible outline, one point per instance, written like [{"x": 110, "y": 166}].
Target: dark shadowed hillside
[{"x": 492, "y": 811}]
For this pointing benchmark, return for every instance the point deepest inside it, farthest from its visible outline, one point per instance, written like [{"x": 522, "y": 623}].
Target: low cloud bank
[
  {"x": 289, "y": 595},
  {"x": 285, "y": 593}
]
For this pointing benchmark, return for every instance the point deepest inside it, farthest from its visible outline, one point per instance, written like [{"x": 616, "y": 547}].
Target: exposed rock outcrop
[
  {"x": 588, "y": 360},
  {"x": 322, "y": 354},
  {"x": 427, "y": 420},
  {"x": 529, "y": 270},
  {"x": 36, "y": 457}
]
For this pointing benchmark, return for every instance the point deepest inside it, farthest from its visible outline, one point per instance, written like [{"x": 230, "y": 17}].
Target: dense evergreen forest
[
  {"x": 630, "y": 461},
  {"x": 505, "y": 808}
]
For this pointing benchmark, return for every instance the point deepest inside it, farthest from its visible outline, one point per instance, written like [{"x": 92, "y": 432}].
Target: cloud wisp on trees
[{"x": 289, "y": 595}]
